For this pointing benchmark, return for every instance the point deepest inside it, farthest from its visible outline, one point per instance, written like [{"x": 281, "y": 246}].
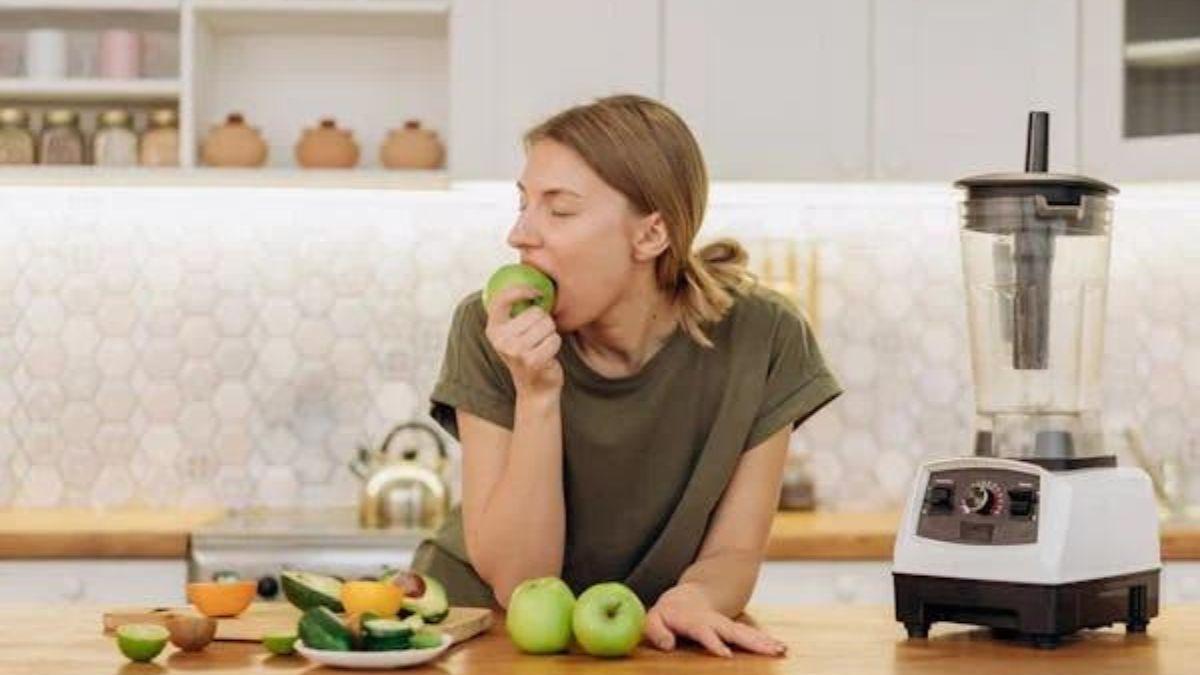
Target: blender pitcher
[{"x": 1035, "y": 260}]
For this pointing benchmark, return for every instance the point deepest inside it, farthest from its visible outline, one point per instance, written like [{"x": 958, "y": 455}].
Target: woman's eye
[{"x": 561, "y": 214}]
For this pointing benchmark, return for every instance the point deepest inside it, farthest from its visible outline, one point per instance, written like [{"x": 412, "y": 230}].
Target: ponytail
[{"x": 710, "y": 279}]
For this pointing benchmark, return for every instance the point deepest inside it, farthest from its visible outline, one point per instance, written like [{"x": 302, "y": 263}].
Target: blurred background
[{"x": 233, "y": 231}]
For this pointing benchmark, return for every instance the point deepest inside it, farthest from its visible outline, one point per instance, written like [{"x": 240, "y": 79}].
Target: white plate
[{"x": 398, "y": 658}]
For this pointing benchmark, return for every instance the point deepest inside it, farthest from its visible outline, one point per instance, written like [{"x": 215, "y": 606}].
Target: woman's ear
[{"x": 650, "y": 237}]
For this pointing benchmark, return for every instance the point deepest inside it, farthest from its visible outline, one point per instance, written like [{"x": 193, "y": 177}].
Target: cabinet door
[
  {"x": 955, "y": 80},
  {"x": 773, "y": 89},
  {"x": 125, "y": 582},
  {"x": 1166, "y": 90},
  {"x": 789, "y": 583},
  {"x": 515, "y": 62}
]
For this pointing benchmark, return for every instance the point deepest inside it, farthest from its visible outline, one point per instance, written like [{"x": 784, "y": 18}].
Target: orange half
[{"x": 219, "y": 599}]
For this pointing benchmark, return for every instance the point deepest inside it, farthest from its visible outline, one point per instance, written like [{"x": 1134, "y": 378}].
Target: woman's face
[{"x": 577, "y": 229}]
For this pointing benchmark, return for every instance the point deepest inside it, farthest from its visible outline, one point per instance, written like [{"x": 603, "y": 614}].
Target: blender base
[{"x": 1041, "y": 614}]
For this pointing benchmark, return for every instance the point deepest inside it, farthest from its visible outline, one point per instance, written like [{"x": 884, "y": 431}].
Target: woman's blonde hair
[{"x": 646, "y": 152}]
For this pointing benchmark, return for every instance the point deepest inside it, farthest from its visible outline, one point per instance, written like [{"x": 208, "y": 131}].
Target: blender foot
[
  {"x": 1046, "y": 641},
  {"x": 917, "y": 630}
]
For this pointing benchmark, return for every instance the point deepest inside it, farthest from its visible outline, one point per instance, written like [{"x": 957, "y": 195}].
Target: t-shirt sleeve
[
  {"x": 472, "y": 377},
  {"x": 798, "y": 381}
]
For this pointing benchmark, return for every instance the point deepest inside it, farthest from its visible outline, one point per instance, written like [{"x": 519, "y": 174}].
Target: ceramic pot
[
  {"x": 327, "y": 147},
  {"x": 234, "y": 144},
  {"x": 412, "y": 148}
]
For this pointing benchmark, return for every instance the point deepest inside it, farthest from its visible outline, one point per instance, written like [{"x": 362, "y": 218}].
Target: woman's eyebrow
[{"x": 554, "y": 192}]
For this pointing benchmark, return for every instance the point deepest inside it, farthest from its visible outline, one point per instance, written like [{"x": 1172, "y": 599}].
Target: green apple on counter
[
  {"x": 521, "y": 275},
  {"x": 608, "y": 620},
  {"x": 539, "y": 616}
]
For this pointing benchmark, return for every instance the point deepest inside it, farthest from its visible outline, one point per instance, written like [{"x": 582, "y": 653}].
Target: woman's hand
[
  {"x": 527, "y": 343},
  {"x": 684, "y": 611}
]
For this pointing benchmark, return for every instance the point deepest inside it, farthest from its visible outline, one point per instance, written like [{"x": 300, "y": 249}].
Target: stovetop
[
  {"x": 275, "y": 526},
  {"x": 261, "y": 543}
]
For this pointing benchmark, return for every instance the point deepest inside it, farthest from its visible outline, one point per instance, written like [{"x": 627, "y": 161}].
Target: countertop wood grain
[{"x": 848, "y": 640}]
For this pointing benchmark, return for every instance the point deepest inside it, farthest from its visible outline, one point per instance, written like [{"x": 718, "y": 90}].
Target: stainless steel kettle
[{"x": 404, "y": 486}]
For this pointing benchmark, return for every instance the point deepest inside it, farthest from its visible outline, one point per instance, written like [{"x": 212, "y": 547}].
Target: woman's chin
[{"x": 562, "y": 320}]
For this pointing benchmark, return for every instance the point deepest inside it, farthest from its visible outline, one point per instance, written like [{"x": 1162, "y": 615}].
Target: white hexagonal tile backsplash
[{"x": 233, "y": 347}]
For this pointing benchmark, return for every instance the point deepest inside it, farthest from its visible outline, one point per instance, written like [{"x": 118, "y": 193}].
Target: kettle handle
[{"x": 417, "y": 426}]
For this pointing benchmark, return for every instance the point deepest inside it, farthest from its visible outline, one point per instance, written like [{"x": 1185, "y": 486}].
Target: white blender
[{"x": 1040, "y": 533}]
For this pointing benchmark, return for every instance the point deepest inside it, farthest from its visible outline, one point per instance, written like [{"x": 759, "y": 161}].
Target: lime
[
  {"x": 280, "y": 643},
  {"x": 142, "y": 641}
]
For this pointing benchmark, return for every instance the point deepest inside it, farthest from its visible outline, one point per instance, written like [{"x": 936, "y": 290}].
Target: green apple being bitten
[
  {"x": 608, "y": 620},
  {"x": 521, "y": 275},
  {"x": 539, "y": 616}
]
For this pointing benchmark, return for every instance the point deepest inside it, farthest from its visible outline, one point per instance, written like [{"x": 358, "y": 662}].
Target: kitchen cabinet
[
  {"x": 115, "y": 581},
  {"x": 370, "y": 65},
  {"x": 869, "y": 582},
  {"x": 953, "y": 82},
  {"x": 1140, "y": 89},
  {"x": 773, "y": 89},
  {"x": 859, "y": 582},
  {"x": 514, "y": 62}
]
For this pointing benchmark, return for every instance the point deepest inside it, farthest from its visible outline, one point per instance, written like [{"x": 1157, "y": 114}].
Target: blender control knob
[{"x": 979, "y": 499}]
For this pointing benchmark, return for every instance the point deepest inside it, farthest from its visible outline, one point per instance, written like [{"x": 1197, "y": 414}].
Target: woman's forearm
[
  {"x": 522, "y": 530},
  {"x": 725, "y": 578}
]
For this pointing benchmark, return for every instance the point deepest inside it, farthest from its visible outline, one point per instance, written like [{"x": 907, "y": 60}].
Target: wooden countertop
[
  {"x": 83, "y": 533},
  {"x": 86, "y": 533},
  {"x": 863, "y": 640}
]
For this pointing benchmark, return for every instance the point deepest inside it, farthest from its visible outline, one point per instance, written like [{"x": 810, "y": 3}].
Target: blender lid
[
  {"x": 1033, "y": 183},
  {"x": 1057, "y": 188}
]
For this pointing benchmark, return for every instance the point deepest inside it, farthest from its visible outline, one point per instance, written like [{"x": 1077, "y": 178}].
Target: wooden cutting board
[{"x": 262, "y": 618}]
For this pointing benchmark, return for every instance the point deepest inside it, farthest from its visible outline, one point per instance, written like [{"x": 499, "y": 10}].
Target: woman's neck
[{"x": 629, "y": 334}]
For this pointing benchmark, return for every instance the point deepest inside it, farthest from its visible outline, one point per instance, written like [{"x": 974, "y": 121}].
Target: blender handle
[{"x": 1045, "y": 209}]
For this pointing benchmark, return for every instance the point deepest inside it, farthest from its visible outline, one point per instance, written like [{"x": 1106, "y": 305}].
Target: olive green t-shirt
[{"x": 648, "y": 456}]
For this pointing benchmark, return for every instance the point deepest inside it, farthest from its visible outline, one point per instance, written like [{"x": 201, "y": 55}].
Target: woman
[{"x": 638, "y": 432}]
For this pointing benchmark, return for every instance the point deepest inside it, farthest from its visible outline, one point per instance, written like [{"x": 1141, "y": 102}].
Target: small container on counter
[
  {"x": 61, "y": 141},
  {"x": 160, "y": 143},
  {"x": 17, "y": 143},
  {"x": 120, "y": 54},
  {"x": 45, "y": 54},
  {"x": 234, "y": 143},
  {"x": 412, "y": 148},
  {"x": 327, "y": 147},
  {"x": 115, "y": 143}
]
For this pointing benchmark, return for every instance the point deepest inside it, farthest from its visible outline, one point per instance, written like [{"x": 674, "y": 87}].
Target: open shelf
[
  {"x": 90, "y": 90},
  {"x": 369, "y": 64},
  {"x": 92, "y": 176},
  {"x": 91, "y": 5}
]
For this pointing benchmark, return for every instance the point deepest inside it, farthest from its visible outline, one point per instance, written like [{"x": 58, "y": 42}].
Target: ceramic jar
[
  {"x": 61, "y": 141},
  {"x": 115, "y": 143},
  {"x": 234, "y": 143},
  {"x": 160, "y": 143},
  {"x": 17, "y": 144},
  {"x": 120, "y": 54},
  {"x": 327, "y": 147},
  {"x": 46, "y": 54},
  {"x": 412, "y": 148}
]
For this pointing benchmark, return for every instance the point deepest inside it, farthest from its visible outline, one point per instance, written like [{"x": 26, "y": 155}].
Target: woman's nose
[{"x": 523, "y": 233}]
